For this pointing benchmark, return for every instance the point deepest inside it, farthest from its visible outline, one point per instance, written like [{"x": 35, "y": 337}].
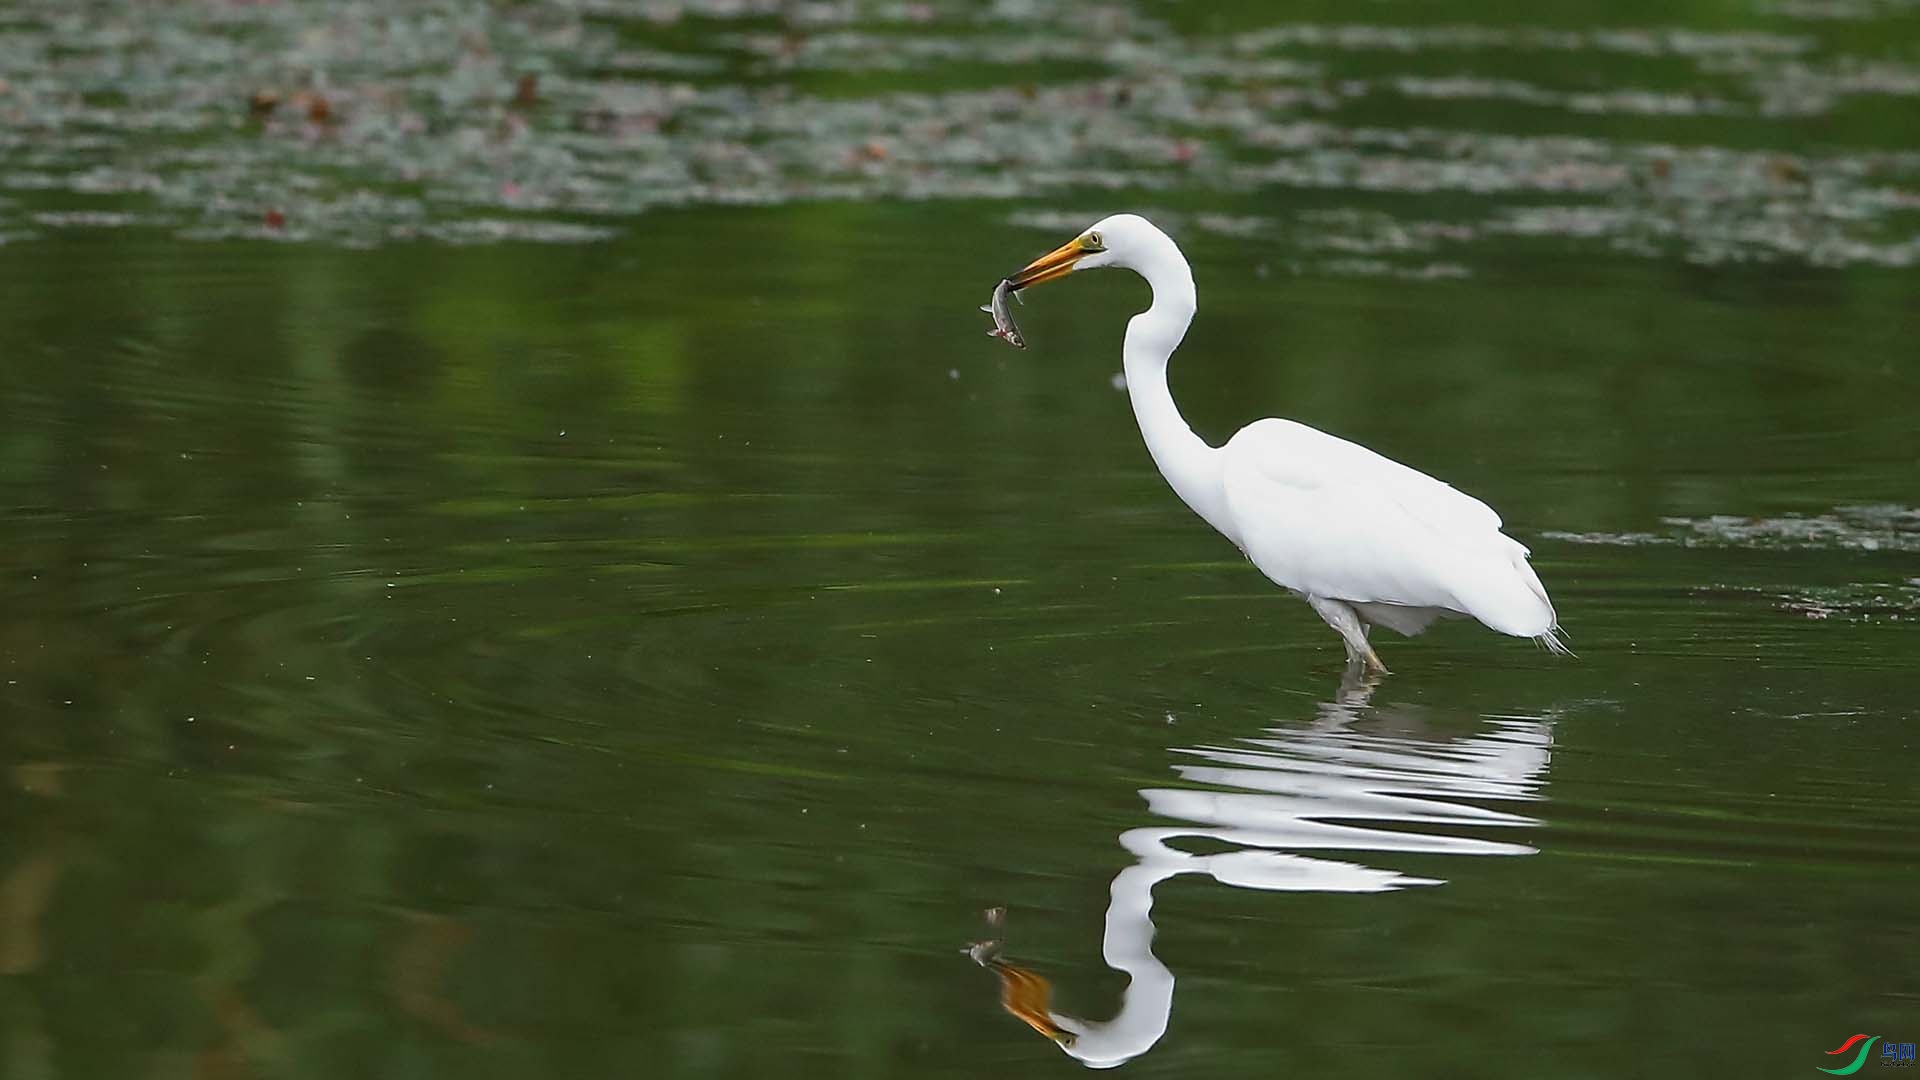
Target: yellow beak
[{"x": 1057, "y": 263}]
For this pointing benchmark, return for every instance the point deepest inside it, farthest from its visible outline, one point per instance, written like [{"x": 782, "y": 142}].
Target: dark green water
[{"x": 650, "y": 657}]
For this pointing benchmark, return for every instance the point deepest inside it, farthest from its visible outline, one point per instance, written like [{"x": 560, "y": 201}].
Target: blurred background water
[{"x": 521, "y": 560}]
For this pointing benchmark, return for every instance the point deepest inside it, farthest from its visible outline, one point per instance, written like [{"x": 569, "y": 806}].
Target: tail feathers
[
  {"x": 1522, "y": 564},
  {"x": 1552, "y": 643},
  {"x": 1507, "y": 602},
  {"x": 1550, "y": 638}
]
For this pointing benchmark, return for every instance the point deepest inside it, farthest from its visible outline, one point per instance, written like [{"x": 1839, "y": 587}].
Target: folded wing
[{"x": 1330, "y": 518}]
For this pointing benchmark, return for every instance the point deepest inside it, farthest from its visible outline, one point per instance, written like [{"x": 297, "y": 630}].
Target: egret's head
[{"x": 1112, "y": 241}]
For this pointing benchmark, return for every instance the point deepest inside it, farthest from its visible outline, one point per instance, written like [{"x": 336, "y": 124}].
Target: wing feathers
[{"x": 1330, "y": 518}]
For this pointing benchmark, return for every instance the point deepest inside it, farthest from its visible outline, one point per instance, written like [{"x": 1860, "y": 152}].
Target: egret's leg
[{"x": 1352, "y": 630}]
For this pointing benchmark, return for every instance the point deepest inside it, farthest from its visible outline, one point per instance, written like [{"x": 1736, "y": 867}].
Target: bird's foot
[
  {"x": 1352, "y": 630},
  {"x": 1363, "y": 661}
]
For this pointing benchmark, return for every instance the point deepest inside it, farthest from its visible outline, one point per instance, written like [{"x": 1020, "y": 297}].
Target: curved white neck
[
  {"x": 1127, "y": 946},
  {"x": 1188, "y": 463}
]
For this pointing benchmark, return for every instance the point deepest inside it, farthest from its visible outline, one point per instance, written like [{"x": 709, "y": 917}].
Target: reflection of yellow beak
[
  {"x": 1027, "y": 996},
  {"x": 1057, "y": 263}
]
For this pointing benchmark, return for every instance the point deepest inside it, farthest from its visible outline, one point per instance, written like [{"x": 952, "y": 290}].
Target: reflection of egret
[
  {"x": 1364, "y": 539},
  {"x": 1290, "y": 790}
]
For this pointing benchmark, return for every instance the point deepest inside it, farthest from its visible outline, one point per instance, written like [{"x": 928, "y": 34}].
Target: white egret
[{"x": 1364, "y": 539}]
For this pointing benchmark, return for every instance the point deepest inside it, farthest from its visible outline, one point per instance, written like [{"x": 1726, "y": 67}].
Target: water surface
[{"x": 649, "y": 650}]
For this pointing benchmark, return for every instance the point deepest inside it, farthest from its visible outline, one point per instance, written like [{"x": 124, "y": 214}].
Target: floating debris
[
  {"x": 447, "y": 111},
  {"x": 1863, "y": 602},
  {"x": 1878, "y": 527}
]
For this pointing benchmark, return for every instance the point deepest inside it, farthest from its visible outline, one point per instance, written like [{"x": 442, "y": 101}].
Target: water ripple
[{"x": 1257, "y": 804}]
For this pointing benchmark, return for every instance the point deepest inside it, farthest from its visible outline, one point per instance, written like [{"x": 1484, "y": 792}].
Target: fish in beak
[{"x": 1003, "y": 324}]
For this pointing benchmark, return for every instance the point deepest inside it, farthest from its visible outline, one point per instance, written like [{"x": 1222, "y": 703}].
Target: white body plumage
[{"x": 1366, "y": 540}]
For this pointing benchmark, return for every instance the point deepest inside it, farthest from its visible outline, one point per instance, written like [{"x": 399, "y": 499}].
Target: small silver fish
[{"x": 1002, "y": 313}]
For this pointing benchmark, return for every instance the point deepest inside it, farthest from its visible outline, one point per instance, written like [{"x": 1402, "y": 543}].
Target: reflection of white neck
[
  {"x": 1147, "y": 1001},
  {"x": 1329, "y": 773}
]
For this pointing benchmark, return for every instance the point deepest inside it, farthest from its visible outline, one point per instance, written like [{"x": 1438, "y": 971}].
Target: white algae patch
[
  {"x": 1873, "y": 528},
  {"x": 462, "y": 121},
  {"x": 1867, "y": 531}
]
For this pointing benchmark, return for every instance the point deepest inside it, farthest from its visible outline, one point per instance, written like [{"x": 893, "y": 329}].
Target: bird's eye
[{"x": 1093, "y": 241}]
